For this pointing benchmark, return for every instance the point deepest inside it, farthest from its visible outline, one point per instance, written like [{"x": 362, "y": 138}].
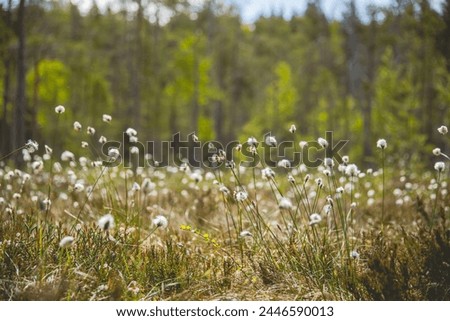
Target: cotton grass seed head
[
  {"x": 59, "y": 109},
  {"x": 351, "y": 170},
  {"x": 67, "y": 156},
  {"x": 90, "y": 131},
  {"x": 267, "y": 173},
  {"x": 303, "y": 144},
  {"x": 245, "y": 234},
  {"x": 381, "y": 143},
  {"x": 106, "y": 118},
  {"x": 293, "y": 129},
  {"x": 131, "y": 132},
  {"x": 285, "y": 204},
  {"x": 106, "y": 222},
  {"x": 437, "y": 151},
  {"x": 322, "y": 142},
  {"x": 443, "y": 130},
  {"x": 160, "y": 221},
  {"x": 113, "y": 153},
  {"x": 284, "y": 163},
  {"x": 241, "y": 196},
  {"x": 66, "y": 241},
  {"x": 102, "y": 140},
  {"x": 315, "y": 219},
  {"x": 439, "y": 166},
  {"x": 252, "y": 141},
  {"x": 32, "y": 146},
  {"x": 77, "y": 126},
  {"x": 354, "y": 255},
  {"x": 271, "y": 141},
  {"x": 328, "y": 162}
]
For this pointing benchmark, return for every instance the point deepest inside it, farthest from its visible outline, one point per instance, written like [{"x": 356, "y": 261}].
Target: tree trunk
[
  {"x": 18, "y": 132},
  {"x": 5, "y": 145}
]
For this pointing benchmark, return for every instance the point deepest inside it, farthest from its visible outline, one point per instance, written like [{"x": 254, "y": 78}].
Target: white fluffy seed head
[
  {"x": 354, "y": 255},
  {"x": 351, "y": 170},
  {"x": 67, "y": 156},
  {"x": 245, "y": 233},
  {"x": 160, "y": 221},
  {"x": 251, "y": 141},
  {"x": 59, "y": 109},
  {"x": 131, "y": 132},
  {"x": 293, "y": 129},
  {"x": 443, "y": 130},
  {"x": 106, "y": 118},
  {"x": 437, "y": 151},
  {"x": 32, "y": 146},
  {"x": 77, "y": 126},
  {"x": 285, "y": 203},
  {"x": 315, "y": 219},
  {"x": 271, "y": 141},
  {"x": 381, "y": 143},
  {"x": 66, "y": 241},
  {"x": 241, "y": 196},
  {"x": 102, "y": 140},
  {"x": 113, "y": 153},
  {"x": 322, "y": 142},
  {"x": 268, "y": 173},
  {"x": 439, "y": 166},
  {"x": 303, "y": 144},
  {"x": 90, "y": 131},
  {"x": 106, "y": 222}
]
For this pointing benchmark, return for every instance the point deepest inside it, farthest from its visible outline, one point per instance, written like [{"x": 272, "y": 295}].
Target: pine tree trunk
[{"x": 18, "y": 132}]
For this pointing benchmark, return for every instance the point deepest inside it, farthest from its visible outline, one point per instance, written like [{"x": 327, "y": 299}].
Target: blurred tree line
[{"x": 205, "y": 71}]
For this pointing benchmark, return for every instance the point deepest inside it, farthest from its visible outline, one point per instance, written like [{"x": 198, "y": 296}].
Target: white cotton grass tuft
[
  {"x": 106, "y": 222},
  {"x": 267, "y": 173},
  {"x": 131, "y": 132},
  {"x": 102, "y": 140},
  {"x": 328, "y": 162},
  {"x": 443, "y": 130},
  {"x": 160, "y": 221},
  {"x": 322, "y": 142},
  {"x": 84, "y": 144},
  {"x": 241, "y": 196},
  {"x": 32, "y": 146},
  {"x": 90, "y": 131},
  {"x": 113, "y": 153},
  {"x": 271, "y": 141},
  {"x": 67, "y": 156},
  {"x": 77, "y": 126},
  {"x": 245, "y": 234},
  {"x": 134, "y": 150},
  {"x": 293, "y": 129},
  {"x": 106, "y": 118},
  {"x": 284, "y": 163},
  {"x": 66, "y": 241},
  {"x": 315, "y": 219},
  {"x": 60, "y": 109},
  {"x": 439, "y": 166},
  {"x": 285, "y": 203},
  {"x": 437, "y": 151},
  {"x": 354, "y": 255},
  {"x": 303, "y": 144},
  {"x": 252, "y": 141},
  {"x": 381, "y": 143},
  {"x": 48, "y": 150},
  {"x": 351, "y": 170}
]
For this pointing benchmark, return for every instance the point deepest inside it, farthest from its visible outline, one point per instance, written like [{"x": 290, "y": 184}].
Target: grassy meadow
[{"x": 73, "y": 229}]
